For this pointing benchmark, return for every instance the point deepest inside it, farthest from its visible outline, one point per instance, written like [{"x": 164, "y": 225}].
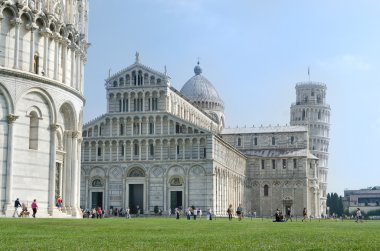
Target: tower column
[
  {"x": 9, "y": 208},
  {"x": 17, "y": 22}
]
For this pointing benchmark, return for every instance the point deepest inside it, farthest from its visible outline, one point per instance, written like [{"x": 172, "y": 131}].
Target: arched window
[
  {"x": 239, "y": 142},
  {"x": 306, "y": 99},
  {"x": 136, "y": 149},
  {"x": 292, "y": 140},
  {"x": 136, "y": 172},
  {"x": 121, "y": 129},
  {"x": 255, "y": 141},
  {"x": 151, "y": 150},
  {"x": 266, "y": 190},
  {"x": 33, "y": 130},
  {"x": 303, "y": 114},
  {"x": 273, "y": 141},
  {"x": 319, "y": 115},
  {"x": 97, "y": 183}
]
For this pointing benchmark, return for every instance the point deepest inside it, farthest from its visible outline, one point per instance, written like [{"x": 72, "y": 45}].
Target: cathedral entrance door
[
  {"x": 175, "y": 200},
  {"x": 136, "y": 198},
  {"x": 97, "y": 200}
]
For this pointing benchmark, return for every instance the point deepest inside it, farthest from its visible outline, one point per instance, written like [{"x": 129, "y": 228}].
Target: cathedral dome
[{"x": 200, "y": 90}]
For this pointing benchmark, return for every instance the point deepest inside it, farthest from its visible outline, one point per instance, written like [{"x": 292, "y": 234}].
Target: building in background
[
  {"x": 160, "y": 147},
  {"x": 367, "y": 199},
  {"x": 42, "y": 54}
]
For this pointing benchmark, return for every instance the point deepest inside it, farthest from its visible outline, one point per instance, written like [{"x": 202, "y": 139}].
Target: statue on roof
[{"x": 137, "y": 57}]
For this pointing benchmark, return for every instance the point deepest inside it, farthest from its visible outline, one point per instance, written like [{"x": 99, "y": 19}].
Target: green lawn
[{"x": 170, "y": 234}]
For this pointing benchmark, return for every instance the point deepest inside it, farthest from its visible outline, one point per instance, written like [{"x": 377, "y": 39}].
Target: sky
[{"x": 254, "y": 53}]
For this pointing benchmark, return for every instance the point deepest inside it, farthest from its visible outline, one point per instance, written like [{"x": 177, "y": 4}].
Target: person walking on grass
[
  {"x": 229, "y": 212},
  {"x": 99, "y": 213},
  {"x": 34, "y": 208},
  {"x": 17, "y": 205},
  {"x": 239, "y": 212},
  {"x": 304, "y": 213},
  {"x": 358, "y": 216}
]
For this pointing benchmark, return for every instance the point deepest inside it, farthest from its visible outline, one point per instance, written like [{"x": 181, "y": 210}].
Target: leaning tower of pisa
[
  {"x": 43, "y": 46},
  {"x": 311, "y": 110}
]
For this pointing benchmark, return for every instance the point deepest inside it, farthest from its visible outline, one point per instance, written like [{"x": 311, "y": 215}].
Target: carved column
[
  {"x": 67, "y": 181},
  {"x": 17, "y": 22},
  {"x": 106, "y": 193},
  {"x": 74, "y": 173},
  {"x": 9, "y": 179},
  {"x": 56, "y": 38},
  {"x": 65, "y": 42},
  {"x": 86, "y": 180},
  {"x": 79, "y": 157},
  {"x": 32, "y": 27},
  {"x": 72, "y": 67},
  {"x": 46, "y": 34},
  {"x": 52, "y": 169},
  {"x": 77, "y": 69}
]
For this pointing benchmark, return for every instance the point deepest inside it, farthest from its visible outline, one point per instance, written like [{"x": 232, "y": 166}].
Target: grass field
[{"x": 170, "y": 234}]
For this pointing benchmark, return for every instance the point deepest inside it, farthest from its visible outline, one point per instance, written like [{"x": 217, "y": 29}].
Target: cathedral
[
  {"x": 155, "y": 147},
  {"x": 43, "y": 47},
  {"x": 158, "y": 147}
]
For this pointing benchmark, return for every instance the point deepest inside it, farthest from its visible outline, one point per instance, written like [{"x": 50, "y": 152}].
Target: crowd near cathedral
[{"x": 155, "y": 146}]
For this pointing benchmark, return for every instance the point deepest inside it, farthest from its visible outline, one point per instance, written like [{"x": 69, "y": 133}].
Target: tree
[{"x": 335, "y": 203}]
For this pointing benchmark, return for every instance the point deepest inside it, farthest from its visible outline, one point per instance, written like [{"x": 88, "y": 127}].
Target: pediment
[{"x": 138, "y": 69}]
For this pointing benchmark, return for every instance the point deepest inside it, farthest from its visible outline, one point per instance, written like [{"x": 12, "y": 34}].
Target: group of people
[
  {"x": 24, "y": 209},
  {"x": 239, "y": 212},
  {"x": 193, "y": 212}
]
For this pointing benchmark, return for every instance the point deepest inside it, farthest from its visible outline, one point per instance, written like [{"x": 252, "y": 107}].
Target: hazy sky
[{"x": 254, "y": 52}]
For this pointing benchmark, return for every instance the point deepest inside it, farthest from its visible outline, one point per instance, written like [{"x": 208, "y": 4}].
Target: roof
[
  {"x": 199, "y": 88},
  {"x": 262, "y": 129},
  {"x": 280, "y": 153},
  {"x": 137, "y": 64}
]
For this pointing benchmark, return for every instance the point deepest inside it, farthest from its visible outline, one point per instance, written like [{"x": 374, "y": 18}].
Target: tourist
[
  {"x": 34, "y": 208},
  {"x": 200, "y": 213},
  {"x": 254, "y": 213},
  {"x": 358, "y": 216},
  {"x": 209, "y": 214},
  {"x": 137, "y": 211},
  {"x": 17, "y": 205},
  {"x": 127, "y": 213},
  {"x": 189, "y": 213},
  {"x": 239, "y": 212},
  {"x": 229, "y": 212},
  {"x": 304, "y": 213},
  {"x": 99, "y": 213},
  {"x": 24, "y": 211},
  {"x": 195, "y": 213},
  {"x": 288, "y": 214},
  {"x": 177, "y": 213},
  {"x": 59, "y": 203}
]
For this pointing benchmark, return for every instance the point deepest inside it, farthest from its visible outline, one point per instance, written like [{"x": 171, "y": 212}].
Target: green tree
[{"x": 335, "y": 203}]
